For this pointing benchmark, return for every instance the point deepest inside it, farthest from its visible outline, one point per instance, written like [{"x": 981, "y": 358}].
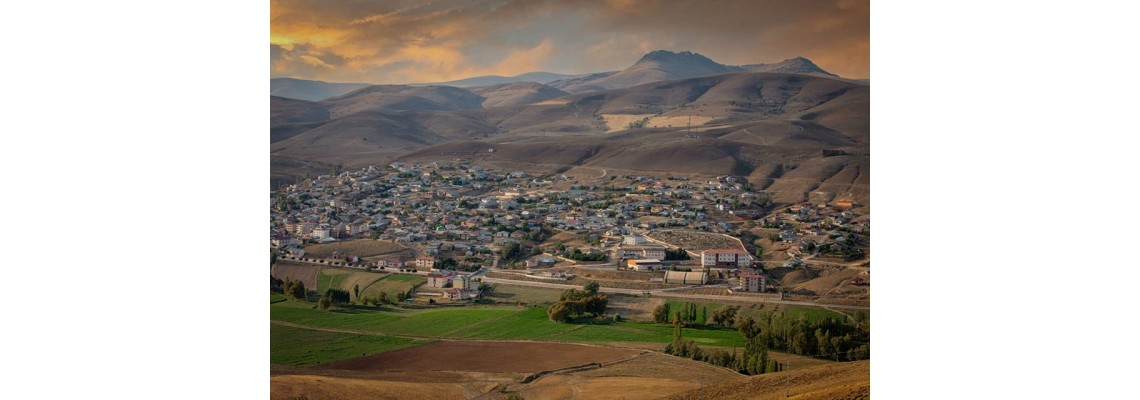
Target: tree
[
  {"x": 356, "y": 291},
  {"x": 511, "y": 251},
  {"x": 725, "y": 316},
  {"x": 384, "y": 298},
  {"x": 559, "y": 312},
  {"x": 661, "y": 313},
  {"x": 295, "y": 290},
  {"x": 592, "y": 288},
  {"x": 324, "y": 303}
]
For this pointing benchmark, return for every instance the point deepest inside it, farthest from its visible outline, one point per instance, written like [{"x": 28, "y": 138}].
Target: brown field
[
  {"x": 360, "y": 248},
  {"x": 650, "y": 376},
  {"x": 314, "y": 387},
  {"x": 524, "y": 357},
  {"x": 695, "y": 241},
  {"x": 635, "y": 308},
  {"x": 497, "y": 370},
  {"x": 304, "y": 272}
]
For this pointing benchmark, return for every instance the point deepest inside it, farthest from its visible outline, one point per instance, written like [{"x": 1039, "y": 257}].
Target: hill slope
[
  {"x": 849, "y": 380},
  {"x": 403, "y": 98},
  {"x": 302, "y": 89},
  {"x": 516, "y": 94},
  {"x": 486, "y": 80},
  {"x": 655, "y": 66}
]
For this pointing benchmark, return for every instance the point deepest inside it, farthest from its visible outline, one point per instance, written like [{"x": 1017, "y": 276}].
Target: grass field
[
  {"x": 524, "y": 294},
  {"x": 810, "y": 313},
  {"x": 276, "y": 298},
  {"x": 304, "y": 347},
  {"x": 491, "y": 322},
  {"x": 346, "y": 279},
  {"x": 392, "y": 284}
]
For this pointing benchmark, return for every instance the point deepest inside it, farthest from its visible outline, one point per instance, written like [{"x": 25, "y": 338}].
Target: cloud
[{"x": 431, "y": 41}]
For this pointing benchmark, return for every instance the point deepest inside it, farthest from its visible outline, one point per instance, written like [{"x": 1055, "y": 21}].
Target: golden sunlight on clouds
[{"x": 420, "y": 41}]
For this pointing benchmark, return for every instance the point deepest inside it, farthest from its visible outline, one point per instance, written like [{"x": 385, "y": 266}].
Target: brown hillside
[
  {"x": 850, "y": 380},
  {"x": 516, "y": 94},
  {"x": 403, "y": 98}
]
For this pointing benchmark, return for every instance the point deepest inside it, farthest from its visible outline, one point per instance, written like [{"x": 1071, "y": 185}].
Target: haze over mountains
[{"x": 790, "y": 128}]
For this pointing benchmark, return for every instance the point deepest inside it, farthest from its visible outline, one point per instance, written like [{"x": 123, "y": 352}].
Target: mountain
[
  {"x": 403, "y": 98},
  {"x": 302, "y": 89},
  {"x": 289, "y": 117},
  {"x": 537, "y": 77},
  {"x": 797, "y": 137},
  {"x": 656, "y": 66},
  {"x": 798, "y": 65},
  {"x": 516, "y": 94}
]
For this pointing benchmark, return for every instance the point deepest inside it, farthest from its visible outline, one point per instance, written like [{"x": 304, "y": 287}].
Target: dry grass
[
  {"x": 304, "y": 272},
  {"x": 313, "y": 387},
  {"x": 360, "y": 248},
  {"x": 836, "y": 381}
]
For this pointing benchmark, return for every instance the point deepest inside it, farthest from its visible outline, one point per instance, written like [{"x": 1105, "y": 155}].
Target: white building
[{"x": 725, "y": 258}]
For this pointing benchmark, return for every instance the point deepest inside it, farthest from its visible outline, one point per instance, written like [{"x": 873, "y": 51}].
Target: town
[{"x": 459, "y": 225}]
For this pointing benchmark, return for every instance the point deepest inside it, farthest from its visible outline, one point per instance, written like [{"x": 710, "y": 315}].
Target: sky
[{"x": 405, "y": 41}]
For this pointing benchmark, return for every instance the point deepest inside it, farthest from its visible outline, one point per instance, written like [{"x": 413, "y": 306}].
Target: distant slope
[
  {"x": 403, "y": 98},
  {"x": 655, "y": 66},
  {"x": 537, "y": 77},
  {"x": 288, "y": 117},
  {"x": 302, "y": 89},
  {"x": 798, "y": 65},
  {"x": 848, "y": 380},
  {"x": 516, "y": 94},
  {"x": 663, "y": 65}
]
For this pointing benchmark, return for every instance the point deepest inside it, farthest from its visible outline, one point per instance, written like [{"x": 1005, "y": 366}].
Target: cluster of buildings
[
  {"x": 468, "y": 213},
  {"x": 466, "y": 210}
]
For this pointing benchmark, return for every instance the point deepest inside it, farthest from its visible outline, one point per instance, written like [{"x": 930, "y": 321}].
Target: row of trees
[
  {"x": 575, "y": 303},
  {"x": 839, "y": 339},
  {"x": 754, "y": 361},
  {"x": 578, "y": 255},
  {"x": 686, "y": 314}
]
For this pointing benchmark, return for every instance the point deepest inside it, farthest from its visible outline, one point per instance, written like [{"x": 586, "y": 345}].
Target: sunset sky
[{"x": 433, "y": 41}]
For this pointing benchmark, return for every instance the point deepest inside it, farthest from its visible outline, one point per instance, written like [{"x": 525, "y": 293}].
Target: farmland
[
  {"x": 360, "y": 248},
  {"x": 319, "y": 278},
  {"x": 491, "y": 323},
  {"x": 392, "y": 284},
  {"x": 304, "y": 347}
]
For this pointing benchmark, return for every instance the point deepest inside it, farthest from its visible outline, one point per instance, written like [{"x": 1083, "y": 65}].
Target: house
[
  {"x": 441, "y": 279},
  {"x": 641, "y": 251},
  {"x": 457, "y": 294},
  {"x": 753, "y": 282},
  {"x": 725, "y": 258},
  {"x": 844, "y": 203},
  {"x": 424, "y": 262},
  {"x": 540, "y": 262},
  {"x": 461, "y": 282},
  {"x": 688, "y": 278},
  {"x": 644, "y": 265}
]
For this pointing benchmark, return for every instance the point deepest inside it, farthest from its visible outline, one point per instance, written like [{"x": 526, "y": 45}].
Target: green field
[
  {"x": 811, "y": 313},
  {"x": 392, "y": 284},
  {"x": 275, "y": 298},
  {"x": 303, "y": 347},
  {"x": 491, "y": 322},
  {"x": 345, "y": 279},
  {"x": 524, "y": 294}
]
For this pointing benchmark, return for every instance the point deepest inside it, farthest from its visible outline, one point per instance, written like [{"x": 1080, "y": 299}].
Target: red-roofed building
[{"x": 753, "y": 282}]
